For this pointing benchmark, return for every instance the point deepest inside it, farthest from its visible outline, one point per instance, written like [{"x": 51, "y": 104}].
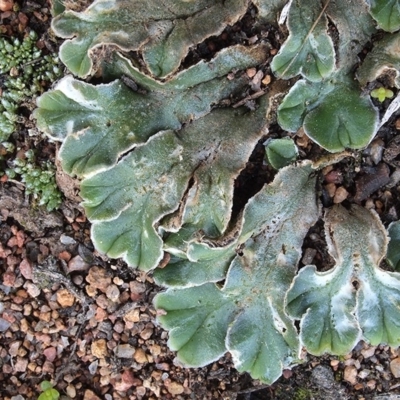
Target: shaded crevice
[{"x": 251, "y": 179}]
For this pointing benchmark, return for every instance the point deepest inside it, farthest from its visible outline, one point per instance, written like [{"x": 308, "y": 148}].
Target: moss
[
  {"x": 303, "y": 394},
  {"x": 26, "y": 69},
  {"x": 39, "y": 180}
]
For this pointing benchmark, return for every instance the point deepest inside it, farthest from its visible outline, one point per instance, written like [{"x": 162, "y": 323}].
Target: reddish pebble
[
  {"x": 50, "y": 353},
  {"x": 26, "y": 269},
  {"x": 6, "y": 5}
]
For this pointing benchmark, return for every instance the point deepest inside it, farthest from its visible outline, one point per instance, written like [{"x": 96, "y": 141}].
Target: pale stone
[
  {"x": 71, "y": 391},
  {"x": 99, "y": 348},
  {"x": 21, "y": 364},
  {"x": 14, "y": 347},
  {"x": 350, "y": 374},
  {"x": 90, "y": 395},
  {"x": 368, "y": 352},
  {"x": 132, "y": 316},
  {"x": 364, "y": 373},
  {"x": 112, "y": 292},
  {"x": 331, "y": 189},
  {"x": 98, "y": 278},
  {"x": 50, "y": 353},
  {"x": 340, "y": 195},
  {"x": 4, "y": 325},
  {"x": 251, "y": 72},
  {"x": 334, "y": 363},
  {"x": 26, "y": 269},
  {"x": 140, "y": 356},
  {"x": 77, "y": 264},
  {"x": 395, "y": 367},
  {"x": 124, "y": 351},
  {"x": 126, "y": 382},
  {"x": 146, "y": 333},
  {"x": 175, "y": 388},
  {"x": 141, "y": 391},
  {"x": 32, "y": 289},
  {"x": 65, "y": 298}
]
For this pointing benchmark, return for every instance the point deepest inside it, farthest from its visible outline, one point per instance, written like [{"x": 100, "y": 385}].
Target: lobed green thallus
[{"x": 159, "y": 147}]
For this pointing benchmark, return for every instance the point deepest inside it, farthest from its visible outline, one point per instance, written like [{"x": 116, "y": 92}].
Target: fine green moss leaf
[
  {"x": 334, "y": 114},
  {"x": 393, "y": 253},
  {"x": 309, "y": 50},
  {"x": 356, "y": 298},
  {"x": 161, "y": 32},
  {"x": 280, "y": 152},
  {"x": 253, "y": 326},
  {"x": 386, "y": 13}
]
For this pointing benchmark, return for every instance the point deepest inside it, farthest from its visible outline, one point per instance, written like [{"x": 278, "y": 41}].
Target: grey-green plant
[
  {"x": 159, "y": 146},
  {"x": 25, "y": 68},
  {"x": 38, "y": 179},
  {"x": 280, "y": 152}
]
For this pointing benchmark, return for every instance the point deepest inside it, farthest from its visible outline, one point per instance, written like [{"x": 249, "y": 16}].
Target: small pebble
[
  {"x": 175, "y": 388},
  {"x": 4, "y": 325},
  {"x": 395, "y": 367},
  {"x": 112, "y": 292},
  {"x": 65, "y": 298},
  {"x": 90, "y": 395},
  {"x": 331, "y": 189},
  {"x": 350, "y": 374},
  {"x": 364, "y": 373},
  {"x": 368, "y": 352},
  {"x": 141, "y": 391},
  {"x": 140, "y": 356},
  {"x": 25, "y": 268},
  {"x": 124, "y": 351},
  {"x": 376, "y": 150},
  {"x": 71, "y": 391},
  {"x": 251, "y": 72},
  {"x": 67, "y": 240},
  {"x": 6, "y": 5},
  {"x": 77, "y": 264},
  {"x": 335, "y": 363},
  {"x": 32, "y": 289},
  {"x": 308, "y": 256},
  {"x": 266, "y": 80},
  {"x": 340, "y": 195},
  {"x": 99, "y": 348}
]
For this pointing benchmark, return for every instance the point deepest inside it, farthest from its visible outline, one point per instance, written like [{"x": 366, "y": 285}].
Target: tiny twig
[
  {"x": 56, "y": 277},
  {"x": 253, "y": 96},
  {"x": 16, "y": 182},
  {"x": 253, "y": 389}
]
